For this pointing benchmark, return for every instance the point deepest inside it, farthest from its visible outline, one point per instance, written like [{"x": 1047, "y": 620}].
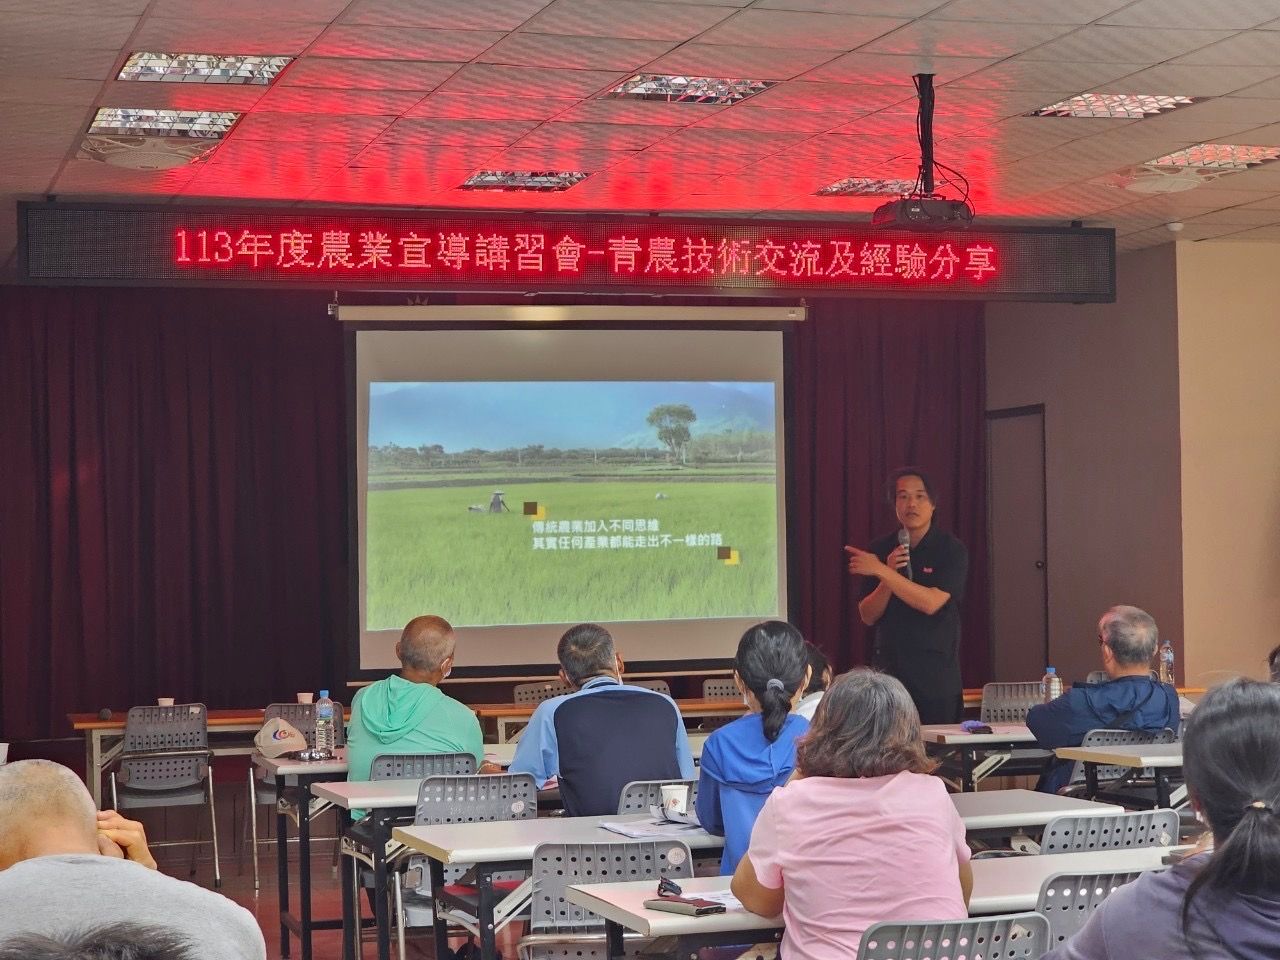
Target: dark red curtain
[
  {"x": 173, "y": 515},
  {"x": 876, "y": 385}
]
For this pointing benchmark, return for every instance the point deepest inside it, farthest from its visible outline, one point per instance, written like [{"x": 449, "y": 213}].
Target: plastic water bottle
[
  {"x": 1050, "y": 685},
  {"x": 1165, "y": 667},
  {"x": 325, "y": 736}
]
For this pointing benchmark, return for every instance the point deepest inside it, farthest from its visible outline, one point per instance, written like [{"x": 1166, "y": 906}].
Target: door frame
[{"x": 1009, "y": 413}]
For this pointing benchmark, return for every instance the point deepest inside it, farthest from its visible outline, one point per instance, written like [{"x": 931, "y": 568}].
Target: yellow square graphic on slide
[
  {"x": 534, "y": 510},
  {"x": 732, "y": 560}
]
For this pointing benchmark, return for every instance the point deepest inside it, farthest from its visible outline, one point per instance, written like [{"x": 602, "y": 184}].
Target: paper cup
[
  {"x": 4, "y": 753},
  {"x": 164, "y": 701},
  {"x": 306, "y": 697},
  {"x": 675, "y": 797}
]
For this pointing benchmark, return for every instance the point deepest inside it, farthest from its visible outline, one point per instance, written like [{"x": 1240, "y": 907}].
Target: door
[{"x": 1017, "y": 543}]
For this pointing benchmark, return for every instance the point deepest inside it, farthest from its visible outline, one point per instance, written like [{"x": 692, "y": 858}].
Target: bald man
[
  {"x": 407, "y": 713},
  {"x": 65, "y": 867}
]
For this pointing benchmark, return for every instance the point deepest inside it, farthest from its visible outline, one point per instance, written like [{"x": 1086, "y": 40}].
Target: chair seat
[{"x": 129, "y": 797}]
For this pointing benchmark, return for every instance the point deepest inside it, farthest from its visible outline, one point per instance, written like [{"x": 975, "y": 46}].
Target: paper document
[
  {"x": 671, "y": 816},
  {"x": 722, "y": 896},
  {"x": 649, "y": 829}
]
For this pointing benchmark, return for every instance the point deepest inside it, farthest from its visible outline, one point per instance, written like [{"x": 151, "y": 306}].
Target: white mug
[
  {"x": 306, "y": 697},
  {"x": 164, "y": 701},
  {"x": 675, "y": 797}
]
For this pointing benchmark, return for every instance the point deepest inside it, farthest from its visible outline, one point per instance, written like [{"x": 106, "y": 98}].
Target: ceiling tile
[
  {"x": 1252, "y": 48},
  {"x": 277, "y": 156},
  {"x": 806, "y": 31},
  {"x": 574, "y": 53},
  {"x": 444, "y": 14},
  {"x": 1024, "y": 74},
  {"x": 90, "y": 176},
  {"x": 377, "y": 186},
  {"x": 27, "y": 30},
  {"x": 898, "y": 8},
  {"x": 1027, "y": 11},
  {"x": 595, "y": 136},
  {"x": 1125, "y": 44},
  {"x": 656, "y": 112},
  {"x": 494, "y": 80},
  {"x": 1218, "y": 15},
  {"x": 773, "y": 121},
  {"x": 339, "y": 74},
  {"x": 400, "y": 43},
  {"x": 879, "y": 68},
  {"x": 62, "y": 64},
  {"x": 756, "y": 63},
  {"x": 181, "y": 96},
  {"x": 635, "y": 20},
  {"x": 697, "y": 140},
  {"x": 1255, "y": 235},
  {"x": 462, "y": 133},
  {"x": 670, "y": 164},
  {"x": 268, "y": 37},
  {"x": 309, "y": 11},
  {"x": 840, "y": 99},
  {"x": 1240, "y": 216},
  {"x": 459, "y": 162},
  {"x": 446, "y": 106},
  {"x": 938, "y": 38},
  {"x": 261, "y": 125},
  {"x": 339, "y": 102},
  {"x": 1186, "y": 80},
  {"x": 46, "y": 90},
  {"x": 75, "y": 8},
  {"x": 1268, "y": 89},
  {"x": 837, "y": 148}
]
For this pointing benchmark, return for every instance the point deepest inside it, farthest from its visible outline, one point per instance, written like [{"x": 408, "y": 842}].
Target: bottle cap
[
  {"x": 324, "y": 693},
  {"x": 1046, "y": 670}
]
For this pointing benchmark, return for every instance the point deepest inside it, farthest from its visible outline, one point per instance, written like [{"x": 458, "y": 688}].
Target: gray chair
[
  {"x": 719, "y": 688},
  {"x": 660, "y": 685},
  {"x": 1145, "y": 828},
  {"x": 1116, "y": 738},
  {"x": 1014, "y": 936},
  {"x": 165, "y": 762},
  {"x": 416, "y": 766},
  {"x": 1096, "y": 677},
  {"x": 542, "y": 690},
  {"x": 1067, "y": 900},
  {"x": 564, "y": 931},
  {"x": 1009, "y": 702},
  {"x": 459, "y": 799},
  {"x": 262, "y": 788},
  {"x": 639, "y": 795}
]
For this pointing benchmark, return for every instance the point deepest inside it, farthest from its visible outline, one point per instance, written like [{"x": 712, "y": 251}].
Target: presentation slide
[{"x": 519, "y": 482}]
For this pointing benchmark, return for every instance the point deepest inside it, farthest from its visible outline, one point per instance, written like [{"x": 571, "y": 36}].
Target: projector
[{"x": 922, "y": 213}]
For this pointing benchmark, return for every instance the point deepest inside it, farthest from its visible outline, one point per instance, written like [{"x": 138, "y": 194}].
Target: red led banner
[{"x": 454, "y": 252}]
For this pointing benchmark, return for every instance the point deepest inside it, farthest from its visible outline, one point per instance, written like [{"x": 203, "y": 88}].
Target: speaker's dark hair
[
  {"x": 891, "y": 485},
  {"x": 773, "y": 650},
  {"x": 1231, "y": 758}
]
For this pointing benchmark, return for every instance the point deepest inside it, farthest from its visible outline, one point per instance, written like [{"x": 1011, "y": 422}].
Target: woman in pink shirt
[{"x": 862, "y": 833}]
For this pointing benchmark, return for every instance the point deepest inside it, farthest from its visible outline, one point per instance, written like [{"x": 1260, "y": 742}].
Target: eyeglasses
[{"x": 668, "y": 888}]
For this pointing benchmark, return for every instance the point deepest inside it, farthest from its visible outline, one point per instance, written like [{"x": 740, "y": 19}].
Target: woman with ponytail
[
  {"x": 1224, "y": 904},
  {"x": 743, "y": 761}
]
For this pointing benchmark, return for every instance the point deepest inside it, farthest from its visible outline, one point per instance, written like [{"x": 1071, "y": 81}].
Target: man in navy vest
[{"x": 605, "y": 734}]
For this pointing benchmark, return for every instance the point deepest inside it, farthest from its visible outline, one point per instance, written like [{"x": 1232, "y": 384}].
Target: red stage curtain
[{"x": 174, "y": 518}]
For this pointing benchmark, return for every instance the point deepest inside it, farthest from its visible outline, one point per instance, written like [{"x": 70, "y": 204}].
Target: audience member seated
[
  {"x": 743, "y": 761},
  {"x": 65, "y": 867},
  {"x": 1219, "y": 905},
  {"x": 407, "y": 712},
  {"x": 819, "y": 680},
  {"x": 1130, "y": 700},
  {"x": 862, "y": 833},
  {"x": 119, "y": 941},
  {"x": 604, "y": 734}
]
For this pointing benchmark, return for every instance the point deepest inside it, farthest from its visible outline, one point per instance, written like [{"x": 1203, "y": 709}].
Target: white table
[
  {"x": 996, "y": 747},
  {"x": 1163, "y": 758},
  {"x": 993, "y": 810},
  {"x": 1009, "y": 885},
  {"x": 507, "y": 845}
]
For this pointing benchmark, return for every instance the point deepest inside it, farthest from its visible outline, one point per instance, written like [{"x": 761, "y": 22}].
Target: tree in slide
[{"x": 672, "y": 420}]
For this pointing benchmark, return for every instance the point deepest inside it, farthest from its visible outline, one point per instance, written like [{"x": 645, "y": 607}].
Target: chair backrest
[
  {"x": 719, "y": 688},
  {"x": 639, "y": 795},
  {"x": 1014, "y": 936},
  {"x": 1118, "y": 738},
  {"x": 1067, "y": 900},
  {"x": 556, "y": 866},
  {"x": 1009, "y": 702},
  {"x": 542, "y": 690},
  {"x": 660, "y": 685},
  {"x": 472, "y": 799},
  {"x": 184, "y": 726},
  {"x": 416, "y": 766},
  {"x": 1097, "y": 676},
  {"x": 1145, "y": 828}
]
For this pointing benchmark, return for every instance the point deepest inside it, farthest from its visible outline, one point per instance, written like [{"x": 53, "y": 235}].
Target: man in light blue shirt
[{"x": 605, "y": 734}]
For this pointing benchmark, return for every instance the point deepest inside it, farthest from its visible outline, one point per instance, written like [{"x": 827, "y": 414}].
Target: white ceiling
[{"x": 395, "y": 102}]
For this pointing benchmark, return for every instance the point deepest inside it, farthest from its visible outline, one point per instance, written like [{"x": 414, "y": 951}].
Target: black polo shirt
[{"x": 921, "y": 649}]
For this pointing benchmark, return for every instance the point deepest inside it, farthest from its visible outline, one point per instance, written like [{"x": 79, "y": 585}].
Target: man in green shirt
[{"x": 406, "y": 712}]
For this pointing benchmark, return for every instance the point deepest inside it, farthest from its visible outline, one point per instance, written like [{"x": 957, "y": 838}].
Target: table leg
[
  {"x": 484, "y": 914},
  {"x": 1091, "y": 778},
  {"x": 282, "y": 865},
  {"x": 93, "y": 766},
  {"x": 614, "y": 944},
  {"x": 350, "y": 911},
  {"x": 1162, "y": 788},
  {"x": 441, "y": 926},
  {"x": 968, "y": 759},
  {"x": 381, "y": 834},
  {"x": 304, "y": 866}
]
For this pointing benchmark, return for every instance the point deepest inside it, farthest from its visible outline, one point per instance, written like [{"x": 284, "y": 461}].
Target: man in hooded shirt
[
  {"x": 1130, "y": 700},
  {"x": 406, "y": 712}
]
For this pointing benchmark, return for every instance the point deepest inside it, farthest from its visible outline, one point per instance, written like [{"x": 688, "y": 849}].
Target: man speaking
[{"x": 914, "y": 584}]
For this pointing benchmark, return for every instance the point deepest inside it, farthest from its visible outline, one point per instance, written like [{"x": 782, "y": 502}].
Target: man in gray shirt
[{"x": 64, "y": 868}]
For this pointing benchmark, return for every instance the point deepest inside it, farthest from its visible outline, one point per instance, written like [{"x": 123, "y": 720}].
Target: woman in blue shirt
[{"x": 743, "y": 761}]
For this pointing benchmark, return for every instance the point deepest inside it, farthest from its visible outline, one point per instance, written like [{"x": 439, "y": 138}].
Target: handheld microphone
[
  {"x": 904, "y": 540},
  {"x": 104, "y": 713}
]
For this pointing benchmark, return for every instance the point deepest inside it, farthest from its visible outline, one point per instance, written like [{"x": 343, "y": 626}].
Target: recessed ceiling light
[
  {"x": 193, "y": 124},
  {"x": 1219, "y": 156},
  {"x": 673, "y": 89},
  {"x": 545, "y": 181},
  {"x": 1124, "y": 106},
  {"x": 203, "y": 68},
  {"x": 867, "y": 187}
]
